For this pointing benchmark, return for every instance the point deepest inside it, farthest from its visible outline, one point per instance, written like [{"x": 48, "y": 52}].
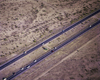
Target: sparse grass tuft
[
  {"x": 50, "y": 31},
  {"x": 72, "y": 78},
  {"x": 46, "y": 29},
  {"x": 60, "y": 18},
  {"x": 34, "y": 40},
  {"x": 5, "y": 39},
  {"x": 16, "y": 26}
]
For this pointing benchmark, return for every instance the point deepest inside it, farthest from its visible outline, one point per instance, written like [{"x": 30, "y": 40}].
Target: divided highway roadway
[
  {"x": 46, "y": 41},
  {"x": 52, "y": 51}
]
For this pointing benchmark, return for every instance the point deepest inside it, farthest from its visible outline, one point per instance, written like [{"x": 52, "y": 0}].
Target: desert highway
[
  {"x": 52, "y": 51},
  {"x": 46, "y": 41}
]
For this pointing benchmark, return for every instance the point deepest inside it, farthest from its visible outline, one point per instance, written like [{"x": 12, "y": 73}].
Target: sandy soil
[
  {"x": 39, "y": 52},
  {"x": 24, "y": 26},
  {"x": 83, "y": 64},
  {"x": 55, "y": 60},
  {"x": 23, "y": 23}
]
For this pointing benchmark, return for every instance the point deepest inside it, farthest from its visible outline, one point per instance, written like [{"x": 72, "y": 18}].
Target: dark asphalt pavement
[
  {"x": 46, "y": 41},
  {"x": 52, "y": 51}
]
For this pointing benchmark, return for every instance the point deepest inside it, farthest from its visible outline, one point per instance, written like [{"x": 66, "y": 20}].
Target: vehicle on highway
[
  {"x": 44, "y": 56},
  {"x": 42, "y": 44},
  {"x": 28, "y": 66},
  {"x": 52, "y": 50},
  {"x": 22, "y": 69},
  {"x": 13, "y": 73},
  {"x": 48, "y": 40},
  {"x": 4, "y": 78},
  {"x": 63, "y": 30},
  {"x": 24, "y": 52},
  {"x": 35, "y": 60},
  {"x": 55, "y": 47}
]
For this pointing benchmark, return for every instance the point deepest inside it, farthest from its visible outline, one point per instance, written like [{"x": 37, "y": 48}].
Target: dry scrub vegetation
[
  {"x": 83, "y": 64},
  {"x": 78, "y": 60},
  {"x": 25, "y": 23}
]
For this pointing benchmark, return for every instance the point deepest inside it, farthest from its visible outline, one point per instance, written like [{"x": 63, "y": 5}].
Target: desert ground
[
  {"x": 80, "y": 61},
  {"x": 25, "y": 23}
]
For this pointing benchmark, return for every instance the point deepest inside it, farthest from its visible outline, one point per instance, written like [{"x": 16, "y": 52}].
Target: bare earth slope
[
  {"x": 82, "y": 65},
  {"x": 24, "y": 23},
  {"x": 79, "y": 60}
]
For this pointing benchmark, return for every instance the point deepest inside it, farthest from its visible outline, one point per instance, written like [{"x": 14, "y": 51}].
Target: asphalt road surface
[
  {"x": 46, "y": 41},
  {"x": 52, "y": 51}
]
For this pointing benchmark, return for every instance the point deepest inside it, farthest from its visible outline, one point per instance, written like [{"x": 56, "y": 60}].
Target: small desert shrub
[
  {"x": 2, "y": 55},
  {"x": 59, "y": 18},
  {"x": 36, "y": 29},
  {"x": 72, "y": 21},
  {"x": 16, "y": 46},
  {"x": 50, "y": 31},
  {"x": 46, "y": 29},
  {"x": 16, "y": 26},
  {"x": 5, "y": 39},
  {"x": 72, "y": 78},
  {"x": 34, "y": 40}
]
